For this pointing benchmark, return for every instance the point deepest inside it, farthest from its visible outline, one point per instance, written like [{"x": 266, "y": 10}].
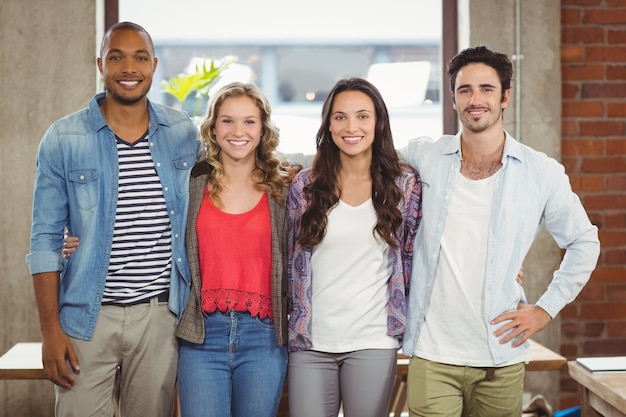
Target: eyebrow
[
  {"x": 119, "y": 51},
  {"x": 243, "y": 117},
  {"x": 356, "y": 111},
  {"x": 479, "y": 85}
]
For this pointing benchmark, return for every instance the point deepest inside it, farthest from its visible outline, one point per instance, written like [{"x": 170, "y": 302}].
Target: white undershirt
[
  {"x": 455, "y": 331},
  {"x": 350, "y": 271}
]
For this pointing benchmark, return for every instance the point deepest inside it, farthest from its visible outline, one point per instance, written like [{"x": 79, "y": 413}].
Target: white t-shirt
[
  {"x": 350, "y": 271},
  {"x": 454, "y": 331}
]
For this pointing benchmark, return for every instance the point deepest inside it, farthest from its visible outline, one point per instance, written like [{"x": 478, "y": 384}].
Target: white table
[{"x": 23, "y": 361}]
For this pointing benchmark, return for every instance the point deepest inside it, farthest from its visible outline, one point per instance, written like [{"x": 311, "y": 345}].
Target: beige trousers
[{"x": 134, "y": 355}]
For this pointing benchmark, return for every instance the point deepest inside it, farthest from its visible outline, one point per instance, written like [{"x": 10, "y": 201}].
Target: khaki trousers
[
  {"x": 134, "y": 352},
  {"x": 440, "y": 390}
]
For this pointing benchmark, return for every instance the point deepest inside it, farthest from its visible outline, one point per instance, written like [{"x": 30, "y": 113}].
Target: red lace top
[{"x": 235, "y": 259}]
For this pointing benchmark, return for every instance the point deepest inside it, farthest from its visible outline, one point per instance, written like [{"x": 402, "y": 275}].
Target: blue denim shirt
[
  {"x": 531, "y": 189},
  {"x": 76, "y": 186}
]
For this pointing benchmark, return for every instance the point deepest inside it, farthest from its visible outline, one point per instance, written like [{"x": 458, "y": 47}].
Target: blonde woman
[{"x": 233, "y": 333}]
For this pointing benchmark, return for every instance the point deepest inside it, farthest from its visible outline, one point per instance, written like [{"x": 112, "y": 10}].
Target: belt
[
  {"x": 490, "y": 372},
  {"x": 161, "y": 298}
]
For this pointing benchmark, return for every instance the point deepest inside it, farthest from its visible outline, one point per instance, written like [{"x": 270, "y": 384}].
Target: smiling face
[
  {"x": 353, "y": 123},
  {"x": 127, "y": 64},
  {"x": 478, "y": 98},
  {"x": 238, "y": 129}
]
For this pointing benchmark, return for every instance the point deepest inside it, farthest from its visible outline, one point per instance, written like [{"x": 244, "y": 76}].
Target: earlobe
[{"x": 505, "y": 98}]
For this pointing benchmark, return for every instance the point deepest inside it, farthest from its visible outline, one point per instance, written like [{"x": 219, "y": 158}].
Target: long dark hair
[{"x": 323, "y": 192}]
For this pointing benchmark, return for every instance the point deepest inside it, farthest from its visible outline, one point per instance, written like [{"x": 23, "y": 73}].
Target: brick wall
[{"x": 593, "y": 65}]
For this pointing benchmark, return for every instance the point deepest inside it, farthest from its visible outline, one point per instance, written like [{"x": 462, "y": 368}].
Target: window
[{"x": 296, "y": 55}]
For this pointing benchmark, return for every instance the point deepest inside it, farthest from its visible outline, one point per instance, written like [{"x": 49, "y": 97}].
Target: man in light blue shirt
[
  {"x": 485, "y": 197},
  {"x": 116, "y": 174}
]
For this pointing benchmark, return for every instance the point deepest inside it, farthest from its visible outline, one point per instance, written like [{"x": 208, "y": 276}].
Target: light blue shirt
[
  {"x": 76, "y": 186},
  {"x": 531, "y": 189}
]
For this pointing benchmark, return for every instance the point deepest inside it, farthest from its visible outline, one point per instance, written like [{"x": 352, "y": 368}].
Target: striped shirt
[{"x": 141, "y": 255}]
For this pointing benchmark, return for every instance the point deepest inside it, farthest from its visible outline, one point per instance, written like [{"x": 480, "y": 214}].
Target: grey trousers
[{"x": 360, "y": 381}]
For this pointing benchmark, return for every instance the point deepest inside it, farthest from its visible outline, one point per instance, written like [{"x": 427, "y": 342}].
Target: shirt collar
[
  {"x": 512, "y": 148},
  {"x": 97, "y": 121}
]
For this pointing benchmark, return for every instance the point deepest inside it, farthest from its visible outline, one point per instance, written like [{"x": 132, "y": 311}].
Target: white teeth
[
  {"x": 353, "y": 139},
  {"x": 129, "y": 83},
  {"x": 237, "y": 142}
]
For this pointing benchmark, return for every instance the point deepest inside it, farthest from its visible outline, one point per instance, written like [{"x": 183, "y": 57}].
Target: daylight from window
[{"x": 295, "y": 51}]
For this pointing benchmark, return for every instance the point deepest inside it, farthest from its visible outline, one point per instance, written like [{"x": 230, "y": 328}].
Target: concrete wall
[
  {"x": 537, "y": 124},
  {"x": 47, "y": 51},
  {"x": 47, "y": 62}
]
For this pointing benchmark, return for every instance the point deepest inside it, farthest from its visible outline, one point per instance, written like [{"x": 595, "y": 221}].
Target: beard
[
  {"x": 483, "y": 124},
  {"x": 125, "y": 98}
]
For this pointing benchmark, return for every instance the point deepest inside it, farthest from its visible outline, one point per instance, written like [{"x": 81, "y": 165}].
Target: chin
[{"x": 129, "y": 100}]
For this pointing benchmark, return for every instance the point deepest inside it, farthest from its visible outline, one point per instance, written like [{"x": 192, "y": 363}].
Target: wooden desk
[
  {"x": 601, "y": 394},
  {"x": 22, "y": 361},
  {"x": 542, "y": 359}
]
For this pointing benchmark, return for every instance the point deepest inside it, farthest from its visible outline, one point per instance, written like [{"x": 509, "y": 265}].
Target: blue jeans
[{"x": 239, "y": 371}]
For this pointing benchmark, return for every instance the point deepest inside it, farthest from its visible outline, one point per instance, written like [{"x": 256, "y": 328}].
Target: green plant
[{"x": 182, "y": 85}]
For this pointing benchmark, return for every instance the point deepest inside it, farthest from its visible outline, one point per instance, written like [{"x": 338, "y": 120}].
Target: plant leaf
[{"x": 182, "y": 85}]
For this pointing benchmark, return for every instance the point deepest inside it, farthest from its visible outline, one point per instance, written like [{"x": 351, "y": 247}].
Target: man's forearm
[{"x": 46, "y": 285}]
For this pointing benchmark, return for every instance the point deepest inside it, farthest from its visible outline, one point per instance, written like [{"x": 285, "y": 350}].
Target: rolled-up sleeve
[{"x": 50, "y": 214}]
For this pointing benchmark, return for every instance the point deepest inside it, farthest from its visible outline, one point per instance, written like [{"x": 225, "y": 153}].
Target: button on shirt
[
  {"x": 76, "y": 186},
  {"x": 531, "y": 189}
]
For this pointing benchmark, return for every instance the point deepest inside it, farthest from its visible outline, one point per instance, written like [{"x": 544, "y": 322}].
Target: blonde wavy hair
[{"x": 266, "y": 174}]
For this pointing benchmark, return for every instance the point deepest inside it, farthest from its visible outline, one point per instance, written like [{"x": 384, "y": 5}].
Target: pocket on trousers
[{"x": 265, "y": 323}]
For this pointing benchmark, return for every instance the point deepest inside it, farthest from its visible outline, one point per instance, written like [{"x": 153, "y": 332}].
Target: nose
[
  {"x": 129, "y": 65},
  {"x": 238, "y": 130},
  {"x": 352, "y": 124}
]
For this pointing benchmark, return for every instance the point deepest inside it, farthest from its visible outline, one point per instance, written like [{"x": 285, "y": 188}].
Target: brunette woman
[{"x": 352, "y": 218}]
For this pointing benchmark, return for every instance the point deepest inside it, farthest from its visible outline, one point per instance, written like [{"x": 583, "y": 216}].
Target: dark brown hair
[
  {"x": 323, "y": 192},
  {"x": 481, "y": 54}
]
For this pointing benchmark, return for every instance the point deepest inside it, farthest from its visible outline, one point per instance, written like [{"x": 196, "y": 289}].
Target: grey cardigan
[{"x": 191, "y": 325}]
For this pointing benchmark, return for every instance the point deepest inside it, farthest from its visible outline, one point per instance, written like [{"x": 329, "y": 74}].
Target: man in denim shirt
[
  {"x": 116, "y": 174},
  {"x": 485, "y": 197}
]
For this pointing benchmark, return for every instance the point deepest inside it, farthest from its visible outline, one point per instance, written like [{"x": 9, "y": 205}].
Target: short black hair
[{"x": 125, "y": 26}]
